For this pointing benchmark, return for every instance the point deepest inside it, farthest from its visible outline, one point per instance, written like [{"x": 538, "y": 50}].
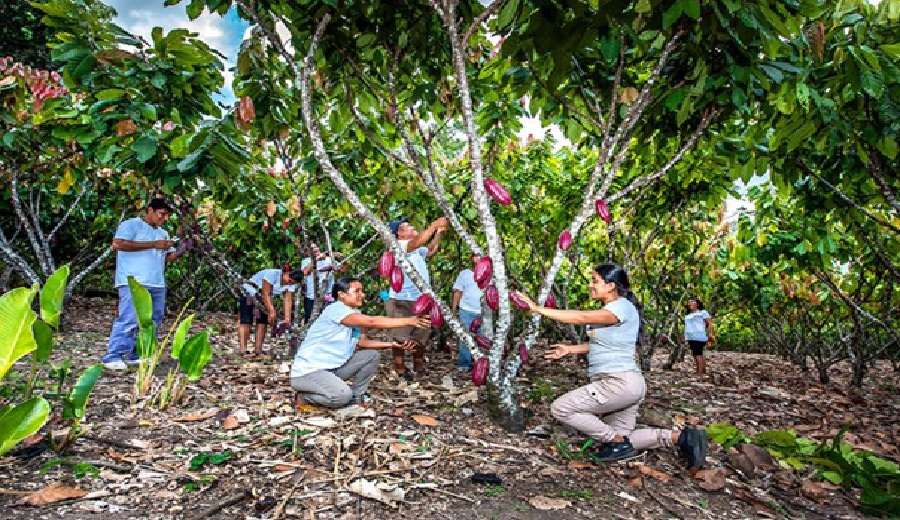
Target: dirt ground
[{"x": 236, "y": 448}]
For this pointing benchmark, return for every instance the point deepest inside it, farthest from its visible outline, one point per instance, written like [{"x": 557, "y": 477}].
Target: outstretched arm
[
  {"x": 365, "y": 321},
  {"x": 595, "y": 317}
]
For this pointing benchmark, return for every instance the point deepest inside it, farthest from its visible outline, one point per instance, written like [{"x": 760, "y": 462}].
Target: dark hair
[
  {"x": 699, "y": 303},
  {"x": 342, "y": 285},
  {"x": 159, "y": 203},
  {"x": 614, "y": 273},
  {"x": 296, "y": 275}
]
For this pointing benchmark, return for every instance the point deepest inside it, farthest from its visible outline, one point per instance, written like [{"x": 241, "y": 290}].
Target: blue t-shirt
[
  {"x": 147, "y": 266},
  {"x": 612, "y": 347},
  {"x": 328, "y": 344},
  {"x": 409, "y": 291}
]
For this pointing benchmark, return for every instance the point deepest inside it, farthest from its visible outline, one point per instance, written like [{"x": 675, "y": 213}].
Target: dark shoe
[
  {"x": 612, "y": 451},
  {"x": 692, "y": 446},
  {"x": 407, "y": 376}
]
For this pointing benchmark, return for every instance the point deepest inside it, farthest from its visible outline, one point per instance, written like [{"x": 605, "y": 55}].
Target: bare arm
[
  {"x": 710, "y": 332},
  {"x": 131, "y": 246},
  {"x": 365, "y": 342},
  {"x": 457, "y": 295},
  {"x": 266, "y": 292},
  {"x": 308, "y": 268},
  {"x": 423, "y": 238},
  {"x": 595, "y": 317},
  {"x": 435, "y": 242},
  {"x": 383, "y": 322},
  {"x": 561, "y": 350},
  {"x": 288, "y": 307}
]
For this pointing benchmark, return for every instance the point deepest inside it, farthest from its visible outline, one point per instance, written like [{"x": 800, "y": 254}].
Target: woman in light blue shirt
[
  {"x": 606, "y": 409},
  {"x": 336, "y": 348}
]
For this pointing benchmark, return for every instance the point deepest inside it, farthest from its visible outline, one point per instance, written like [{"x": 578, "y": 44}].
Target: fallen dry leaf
[
  {"x": 813, "y": 490},
  {"x": 548, "y": 503},
  {"x": 580, "y": 464},
  {"x": 655, "y": 473},
  {"x": 370, "y": 489},
  {"x": 195, "y": 417},
  {"x": 636, "y": 482},
  {"x": 425, "y": 420},
  {"x": 53, "y": 493},
  {"x": 230, "y": 423},
  {"x": 713, "y": 479}
]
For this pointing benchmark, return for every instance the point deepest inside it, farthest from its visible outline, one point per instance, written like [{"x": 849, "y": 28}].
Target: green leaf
[
  {"x": 195, "y": 354},
  {"x": 52, "y": 296},
  {"x": 180, "y": 335},
  {"x": 691, "y": 8},
  {"x": 146, "y": 342},
  {"x": 672, "y": 15},
  {"x": 43, "y": 337},
  {"x": 75, "y": 403},
  {"x": 144, "y": 148},
  {"x": 891, "y": 49},
  {"x": 888, "y": 146},
  {"x": 774, "y": 73},
  {"x": 507, "y": 13},
  {"x": 143, "y": 303},
  {"x": 22, "y": 420},
  {"x": 643, "y": 6},
  {"x": 110, "y": 93},
  {"x": 16, "y": 320}
]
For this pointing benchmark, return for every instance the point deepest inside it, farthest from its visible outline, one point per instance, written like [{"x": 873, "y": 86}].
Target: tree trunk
[{"x": 507, "y": 412}]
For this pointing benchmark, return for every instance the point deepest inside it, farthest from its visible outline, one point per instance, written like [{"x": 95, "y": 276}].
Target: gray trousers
[
  {"x": 607, "y": 407},
  {"x": 327, "y": 387}
]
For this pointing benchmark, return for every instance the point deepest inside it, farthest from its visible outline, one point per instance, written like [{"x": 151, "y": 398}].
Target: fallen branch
[{"x": 228, "y": 502}]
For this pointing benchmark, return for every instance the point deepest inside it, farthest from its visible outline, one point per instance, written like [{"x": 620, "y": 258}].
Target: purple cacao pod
[
  {"x": 480, "y": 371},
  {"x": 565, "y": 240},
  {"x": 603, "y": 210},
  {"x": 396, "y": 278},
  {"x": 423, "y": 304},
  {"x": 482, "y": 341},
  {"x": 497, "y": 191},
  {"x": 520, "y": 303},
  {"x": 386, "y": 264},
  {"x": 550, "y": 302},
  {"x": 437, "y": 319},
  {"x": 476, "y": 324},
  {"x": 484, "y": 268},
  {"x": 523, "y": 353},
  {"x": 492, "y": 297}
]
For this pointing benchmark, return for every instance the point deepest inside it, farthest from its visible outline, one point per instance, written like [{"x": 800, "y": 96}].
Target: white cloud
[{"x": 221, "y": 33}]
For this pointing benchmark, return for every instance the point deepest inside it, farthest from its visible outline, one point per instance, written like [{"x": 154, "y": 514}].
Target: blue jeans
[
  {"x": 124, "y": 330},
  {"x": 465, "y": 357}
]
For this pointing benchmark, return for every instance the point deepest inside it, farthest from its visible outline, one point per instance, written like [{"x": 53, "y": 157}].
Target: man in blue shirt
[
  {"x": 401, "y": 302},
  {"x": 142, "y": 248}
]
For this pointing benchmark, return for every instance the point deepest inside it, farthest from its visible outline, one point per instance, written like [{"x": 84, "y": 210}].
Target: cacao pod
[
  {"x": 437, "y": 319},
  {"x": 484, "y": 268},
  {"x": 396, "y": 278},
  {"x": 497, "y": 191},
  {"x": 492, "y": 297},
  {"x": 480, "y": 371},
  {"x": 484, "y": 283},
  {"x": 476, "y": 324},
  {"x": 603, "y": 210},
  {"x": 565, "y": 240},
  {"x": 520, "y": 303},
  {"x": 523, "y": 353},
  {"x": 423, "y": 304},
  {"x": 550, "y": 303},
  {"x": 482, "y": 341},
  {"x": 386, "y": 264}
]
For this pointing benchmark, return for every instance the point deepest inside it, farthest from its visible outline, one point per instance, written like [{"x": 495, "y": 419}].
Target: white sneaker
[{"x": 116, "y": 365}]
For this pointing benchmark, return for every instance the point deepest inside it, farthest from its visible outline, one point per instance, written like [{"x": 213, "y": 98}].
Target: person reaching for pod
[{"x": 606, "y": 408}]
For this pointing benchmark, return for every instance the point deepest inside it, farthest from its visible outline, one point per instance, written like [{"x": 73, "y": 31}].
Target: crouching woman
[{"x": 336, "y": 348}]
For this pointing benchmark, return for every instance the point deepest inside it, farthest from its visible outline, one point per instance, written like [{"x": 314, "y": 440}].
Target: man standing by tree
[
  {"x": 467, "y": 299},
  {"x": 318, "y": 272},
  {"x": 142, "y": 248},
  {"x": 401, "y": 302}
]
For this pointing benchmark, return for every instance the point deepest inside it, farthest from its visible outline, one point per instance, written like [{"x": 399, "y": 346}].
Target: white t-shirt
[
  {"x": 328, "y": 344},
  {"x": 146, "y": 266},
  {"x": 273, "y": 276},
  {"x": 695, "y": 326},
  {"x": 612, "y": 347},
  {"x": 320, "y": 275},
  {"x": 409, "y": 291},
  {"x": 471, "y": 294}
]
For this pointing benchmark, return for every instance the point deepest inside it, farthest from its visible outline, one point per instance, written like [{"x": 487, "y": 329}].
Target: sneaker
[
  {"x": 118, "y": 364},
  {"x": 133, "y": 361},
  {"x": 362, "y": 400},
  {"x": 612, "y": 451},
  {"x": 692, "y": 446},
  {"x": 464, "y": 370}
]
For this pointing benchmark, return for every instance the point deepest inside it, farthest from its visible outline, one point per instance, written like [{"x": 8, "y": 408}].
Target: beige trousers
[{"x": 608, "y": 406}]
